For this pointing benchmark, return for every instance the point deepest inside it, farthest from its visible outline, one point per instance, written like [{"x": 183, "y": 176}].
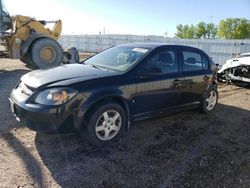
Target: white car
[{"x": 237, "y": 69}]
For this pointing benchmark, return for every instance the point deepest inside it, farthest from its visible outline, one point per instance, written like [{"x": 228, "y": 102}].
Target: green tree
[
  {"x": 234, "y": 28},
  {"x": 185, "y": 31},
  {"x": 201, "y": 30},
  {"x": 211, "y": 31},
  {"x": 179, "y": 33},
  {"x": 191, "y": 32}
]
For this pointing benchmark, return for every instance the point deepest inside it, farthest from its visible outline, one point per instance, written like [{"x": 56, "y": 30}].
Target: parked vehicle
[
  {"x": 120, "y": 85},
  {"x": 237, "y": 69}
]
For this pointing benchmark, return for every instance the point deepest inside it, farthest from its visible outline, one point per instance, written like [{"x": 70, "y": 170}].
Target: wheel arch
[
  {"x": 212, "y": 85},
  {"x": 105, "y": 99}
]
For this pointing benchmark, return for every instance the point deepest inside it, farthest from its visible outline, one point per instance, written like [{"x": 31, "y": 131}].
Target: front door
[{"x": 158, "y": 81}]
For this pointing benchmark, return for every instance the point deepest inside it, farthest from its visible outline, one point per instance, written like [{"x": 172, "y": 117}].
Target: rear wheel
[
  {"x": 106, "y": 124},
  {"x": 46, "y": 53},
  {"x": 209, "y": 101}
]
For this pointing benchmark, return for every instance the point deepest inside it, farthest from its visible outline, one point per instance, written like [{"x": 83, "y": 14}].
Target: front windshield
[
  {"x": 119, "y": 58},
  {"x": 3, "y": 8}
]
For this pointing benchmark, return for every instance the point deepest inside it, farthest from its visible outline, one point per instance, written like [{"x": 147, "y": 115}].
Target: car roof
[
  {"x": 247, "y": 53},
  {"x": 154, "y": 45}
]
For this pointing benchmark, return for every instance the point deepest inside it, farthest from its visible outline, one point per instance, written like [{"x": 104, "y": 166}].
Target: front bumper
[
  {"x": 48, "y": 120},
  {"x": 239, "y": 78},
  {"x": 43, "y": 118}
]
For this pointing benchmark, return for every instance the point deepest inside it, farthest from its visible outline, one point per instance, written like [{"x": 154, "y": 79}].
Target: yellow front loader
[{"x": 31, "y": 41}]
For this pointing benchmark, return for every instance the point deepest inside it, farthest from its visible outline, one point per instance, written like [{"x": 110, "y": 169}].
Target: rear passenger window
[
  {"x": 205, "y": 62},
  {"x": 194, "y": 61}
]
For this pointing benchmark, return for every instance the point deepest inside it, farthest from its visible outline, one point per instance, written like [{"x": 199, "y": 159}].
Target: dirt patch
[{"x": 187, "y": 149}]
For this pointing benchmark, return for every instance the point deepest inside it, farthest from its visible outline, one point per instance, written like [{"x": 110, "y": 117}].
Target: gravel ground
[{"x": 187, "y": 149}]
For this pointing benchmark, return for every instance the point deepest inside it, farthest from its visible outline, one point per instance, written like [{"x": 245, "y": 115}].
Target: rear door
[
  {"x": 196, "y": 72},
  {"x": 157, "y": 81}
]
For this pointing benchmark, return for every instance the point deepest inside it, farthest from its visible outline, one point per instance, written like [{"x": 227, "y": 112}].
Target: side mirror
[{"x": 215, "y": 67}]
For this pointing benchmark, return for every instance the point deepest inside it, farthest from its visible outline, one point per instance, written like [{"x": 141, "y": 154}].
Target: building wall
[{"x": 220, "y": 50}]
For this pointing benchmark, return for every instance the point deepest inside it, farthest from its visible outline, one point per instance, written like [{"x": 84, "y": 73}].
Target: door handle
[
  {"x": 143, "y": 77},
  {"x": 205, "y": 78},
  {"x": 177, "y": 82}
]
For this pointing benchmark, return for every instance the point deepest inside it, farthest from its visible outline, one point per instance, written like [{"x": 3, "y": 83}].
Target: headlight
[{"x": 55, "y": 96}]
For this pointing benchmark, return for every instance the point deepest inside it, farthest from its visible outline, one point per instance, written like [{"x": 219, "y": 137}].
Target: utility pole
[
  {"x": 104, "y": 31},
  {"x": 211, "y": 19}
]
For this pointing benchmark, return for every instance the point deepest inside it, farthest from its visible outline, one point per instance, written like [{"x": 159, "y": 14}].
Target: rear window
[{"x": 194, "y": 61}]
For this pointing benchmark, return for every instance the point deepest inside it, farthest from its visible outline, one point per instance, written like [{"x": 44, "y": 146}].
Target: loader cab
[{"x": 5, "y": 21}]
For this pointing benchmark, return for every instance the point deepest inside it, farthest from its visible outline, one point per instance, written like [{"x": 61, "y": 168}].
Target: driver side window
[{"x": 164, "y": 61}]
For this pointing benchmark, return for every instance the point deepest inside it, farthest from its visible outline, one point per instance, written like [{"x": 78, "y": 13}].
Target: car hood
[
  {"x": 74, "y": 72},
  {"x": 243, "y": 61}
]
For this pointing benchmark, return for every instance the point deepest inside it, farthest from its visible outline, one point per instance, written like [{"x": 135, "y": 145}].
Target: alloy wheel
[
  {"x": 108, "y": 125},
  {"x": 211, "y": 100}
]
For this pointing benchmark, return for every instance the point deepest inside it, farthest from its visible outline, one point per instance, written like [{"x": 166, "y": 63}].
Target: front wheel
[
  {"x": 106, "y": 124},
  {"x": 209, "y": 100}
]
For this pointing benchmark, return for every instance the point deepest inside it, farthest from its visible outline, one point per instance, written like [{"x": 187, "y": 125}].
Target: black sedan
[{"x": 104, "y": 94}]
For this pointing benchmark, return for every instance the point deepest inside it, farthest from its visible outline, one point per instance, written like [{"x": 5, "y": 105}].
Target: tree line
[{"x": 230, "y": 28}]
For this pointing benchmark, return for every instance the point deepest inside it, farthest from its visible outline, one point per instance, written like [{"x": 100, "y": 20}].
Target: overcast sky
[{"x": 147, "y": 17}]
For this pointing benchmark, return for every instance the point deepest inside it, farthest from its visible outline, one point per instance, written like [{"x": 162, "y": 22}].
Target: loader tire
[
  {"x": 46, "y": 53},
  {"x": 27, "y": 59}
]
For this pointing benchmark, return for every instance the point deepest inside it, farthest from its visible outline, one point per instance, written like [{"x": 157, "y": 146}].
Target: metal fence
[{"x": 220, "y": 50}]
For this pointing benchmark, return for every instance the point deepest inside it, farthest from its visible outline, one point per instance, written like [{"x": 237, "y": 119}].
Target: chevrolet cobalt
[{"x": 105, "y": 93}]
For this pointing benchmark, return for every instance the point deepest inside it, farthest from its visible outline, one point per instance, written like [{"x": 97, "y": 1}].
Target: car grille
[{"x": 38, "y": 126}]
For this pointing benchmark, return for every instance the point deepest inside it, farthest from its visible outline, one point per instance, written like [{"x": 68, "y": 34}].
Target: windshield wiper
[{"x": 99, "y": 67}]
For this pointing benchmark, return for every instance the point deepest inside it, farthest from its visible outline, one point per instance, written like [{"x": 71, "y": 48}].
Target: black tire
[
  {"x": 71, "y": 55},
  {"x": 204, "y": 104},
  {"x": 46, "y": 53},
  {"x": 74, "y": 54},
  {"x": 27, "y": 58},
  {"x": 241, "y": 84},
  {"x": 96, "y": 115}
]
